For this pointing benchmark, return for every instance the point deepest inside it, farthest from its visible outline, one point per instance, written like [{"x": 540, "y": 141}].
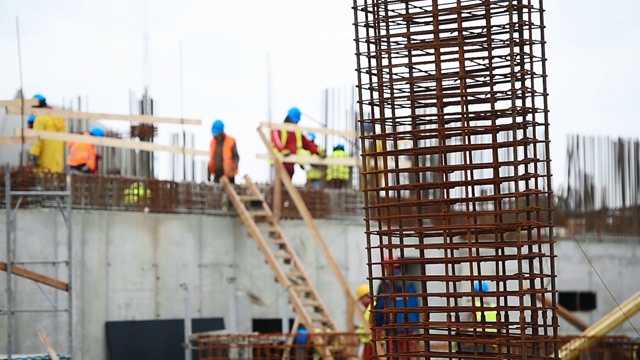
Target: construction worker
[
  {"x": 315, "y": 173},
  {"x": 338, "y": 175},
  {"x": 47, "y": 155},
  {"x": 83, "y": 156},
  {"x": 398, "y": 322},
  {"x": 224, "y": 154},
  {"x": 136, "y": 193},
  {"x": 485, "y": 318},
  {"x": 291, "y": 142},
  {"x": 363, "y": 294}
]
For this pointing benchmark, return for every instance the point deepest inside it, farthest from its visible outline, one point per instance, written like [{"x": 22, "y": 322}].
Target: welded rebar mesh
[
  {"x": 276, "y": 346},
  {"x": 454, "y": 132}
]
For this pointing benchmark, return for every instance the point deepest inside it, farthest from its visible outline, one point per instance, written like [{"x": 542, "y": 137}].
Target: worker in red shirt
[{"x": 290, "y": 142}]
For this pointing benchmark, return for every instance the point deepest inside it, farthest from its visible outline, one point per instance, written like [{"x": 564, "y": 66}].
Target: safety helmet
[
  {"x": 480, "y": 286},
  {"x": 217, "y": 127},
  {"x": 96, "y": 131},
  {"x": 294, "y": 114},
  {"x": 31, "y": 119},
  {"x": 39, "y": 97},
  {"x": 393, "y": 260},
  {"x": 338, "y": 147},
  {"x": 368, "y": 128},
  {"x": 362, "y": 290},
  {"x": 311, "y": 136}
]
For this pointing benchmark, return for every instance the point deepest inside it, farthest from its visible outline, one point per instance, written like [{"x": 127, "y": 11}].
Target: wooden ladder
[{"x": 283, "y": 260}]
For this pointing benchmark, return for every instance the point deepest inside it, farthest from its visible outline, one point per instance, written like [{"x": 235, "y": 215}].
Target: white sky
[{"x": 95, "y": 49}]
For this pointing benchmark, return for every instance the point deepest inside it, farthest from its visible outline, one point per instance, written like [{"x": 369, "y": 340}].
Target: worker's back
[{"x": 50, "y": 153}]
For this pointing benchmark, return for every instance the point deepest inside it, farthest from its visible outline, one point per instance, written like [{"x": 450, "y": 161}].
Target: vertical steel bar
[{"x": 9, "y": 249}]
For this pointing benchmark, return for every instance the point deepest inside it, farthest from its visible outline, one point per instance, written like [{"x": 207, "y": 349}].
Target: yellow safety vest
[
  {"x": 284, "y": 136},
  {"x": 486, "y": 316},
  {"x": 135, "y": 192},
  {"x": 338, "y": 172},
  {"x": 364, "y": 337}
]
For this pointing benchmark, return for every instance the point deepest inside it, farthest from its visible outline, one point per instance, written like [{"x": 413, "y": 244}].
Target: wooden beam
[
  {"x": 80, "y": 115},
  {"x": 298, "y": 159},
  {"x": 111, "y": 142},
  {"x": 47, "y": 345},
  {"x": 294, "y": 127},
  {"x": 18, "y": 102},
  {"x": 565, "y": 313},
  {"x": 31, "y": 275},
  {"x": 17, "y": 140}
]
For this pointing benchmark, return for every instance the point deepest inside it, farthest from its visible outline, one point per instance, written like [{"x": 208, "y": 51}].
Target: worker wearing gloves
[
  {"x": 47, "y": 155},
  {"x": 83, "y": 156},
  {"x": 290, "y": 142},
  {"x": 338, "y": 175},
  {"x": 223, "y": 152}
]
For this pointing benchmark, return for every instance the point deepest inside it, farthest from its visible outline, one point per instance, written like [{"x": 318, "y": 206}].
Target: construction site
[{"x": 449, "y": 216}]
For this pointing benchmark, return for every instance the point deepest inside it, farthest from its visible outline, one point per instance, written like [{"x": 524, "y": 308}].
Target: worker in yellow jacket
[
  {"x": 363, "y": 294},
  {"x": 47, "y": 155},
  {"x": 338, "y": 175}
]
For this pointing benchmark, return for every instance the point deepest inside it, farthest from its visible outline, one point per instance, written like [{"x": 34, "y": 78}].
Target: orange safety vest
[
  {"x": 229, "y": 166},
  {"x": 82, "y": 153}
]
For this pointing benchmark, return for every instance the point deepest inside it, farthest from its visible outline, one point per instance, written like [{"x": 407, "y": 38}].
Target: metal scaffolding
[
  {"x": 458, "y": 202},
  {"x": 14, "y": 267}
]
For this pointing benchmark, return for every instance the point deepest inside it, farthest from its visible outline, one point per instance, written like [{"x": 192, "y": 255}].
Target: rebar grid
[
  {"x": 454, "y": 132},
  {"x": 277, "y": 346}
]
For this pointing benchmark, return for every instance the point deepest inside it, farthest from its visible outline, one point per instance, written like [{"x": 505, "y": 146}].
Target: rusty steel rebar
[{"x": 454, "y": 131}]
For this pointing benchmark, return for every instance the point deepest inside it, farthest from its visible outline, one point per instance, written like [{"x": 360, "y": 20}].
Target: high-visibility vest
[
  {"x": 229, "y": 166},
  {"x": 486, "y": 316},
  {"x": 284, "y": 136},
  {"x": 81, "y": 154},
  {"x": 338, "y": 172},
  {"x": 364, "y": 337},
  {"x": 135, "y": 192}
]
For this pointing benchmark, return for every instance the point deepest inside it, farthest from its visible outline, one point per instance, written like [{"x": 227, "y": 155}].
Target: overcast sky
[{"x": 95, "y": 49}]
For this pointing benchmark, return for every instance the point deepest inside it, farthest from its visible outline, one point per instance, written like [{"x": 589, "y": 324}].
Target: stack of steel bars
[{"x": 454, "y": 132}]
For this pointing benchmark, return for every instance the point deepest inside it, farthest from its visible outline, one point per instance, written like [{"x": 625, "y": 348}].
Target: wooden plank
[
  {"x": 293, "y": 127},
  {"x": 17, "y": 140},
  {"x": 111, "y": 142},
  {"x": 31, "y": 275},
  {"x": 308, "y": 218},
  {"x": 565, "y": 313},
  {"x": 81, "y": 115},
  {"x": 312, "y": 160},
  {"x": 48, "y": 346},
  {"x": 18, "y": 102}
]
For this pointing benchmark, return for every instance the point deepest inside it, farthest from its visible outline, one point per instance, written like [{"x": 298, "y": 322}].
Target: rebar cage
[{"x": 456, "y": 174}]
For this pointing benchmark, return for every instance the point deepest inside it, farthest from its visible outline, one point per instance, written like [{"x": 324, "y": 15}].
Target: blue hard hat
[
  {"x": 301, "y": 337},
  {"x": 217, "y": 127},
  {"x": 338, "y": 147},
  {"x": 31, "y": 119},
  {"x": 368, "y": 128},
  {"x": 294, "y": 114},
  {"x": 39, "y": 97},
  {"x": 96, "y": 131},
  {"x": 311, "y": 136},
  {"x": 480, "y": 286}
]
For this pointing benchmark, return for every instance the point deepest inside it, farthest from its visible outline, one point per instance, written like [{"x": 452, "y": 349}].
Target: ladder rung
[
  {"x": 310, "y": 302},
  {"x": 302, "y": 288},
  {"x": 294, "y": 274},
  {"x": 322, "y": 320},
  {"x": 283, "y": 255},
  {"x": 258, "y": 213},
  {"x": 250, "y": 198}
]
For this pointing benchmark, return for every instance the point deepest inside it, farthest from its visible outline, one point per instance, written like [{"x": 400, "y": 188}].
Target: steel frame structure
[
  {"x": 458, "y": 89},
  {"x": 63, "y": 200}
]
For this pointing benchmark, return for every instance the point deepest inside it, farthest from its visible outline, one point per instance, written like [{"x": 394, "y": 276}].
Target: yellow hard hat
[{"x": 362, "y": 290}]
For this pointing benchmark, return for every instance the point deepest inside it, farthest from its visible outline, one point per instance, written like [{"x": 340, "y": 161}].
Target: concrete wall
[{"x": 131, "y": 266}]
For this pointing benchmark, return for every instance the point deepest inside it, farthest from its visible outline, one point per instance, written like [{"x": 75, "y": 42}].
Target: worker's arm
[
  {"x": 276, "y": 141},
  {"x": 309, "y": 145},
  {"x": 235, "y": 155},
  {"x": 36, "y": 148}
]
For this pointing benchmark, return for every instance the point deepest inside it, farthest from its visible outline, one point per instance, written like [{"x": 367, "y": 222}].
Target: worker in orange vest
[
  {"x": 224, "y": 154},
  {"x": 82, "y": 156}
]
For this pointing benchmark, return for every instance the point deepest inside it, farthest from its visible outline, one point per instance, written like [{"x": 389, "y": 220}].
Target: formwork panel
[{"x": 458, "y": 203}]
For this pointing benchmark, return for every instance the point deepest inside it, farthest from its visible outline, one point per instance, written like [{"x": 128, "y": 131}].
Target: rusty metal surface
[
  {"x": 274, "y": 346},
  {"x": 454, "y": 132}
]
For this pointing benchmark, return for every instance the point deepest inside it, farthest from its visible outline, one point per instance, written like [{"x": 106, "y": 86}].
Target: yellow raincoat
[{"x": 50, "y": 153}]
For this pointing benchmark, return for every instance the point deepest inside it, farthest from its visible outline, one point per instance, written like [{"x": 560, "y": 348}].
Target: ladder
[{"x": 283, "y": 260}]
